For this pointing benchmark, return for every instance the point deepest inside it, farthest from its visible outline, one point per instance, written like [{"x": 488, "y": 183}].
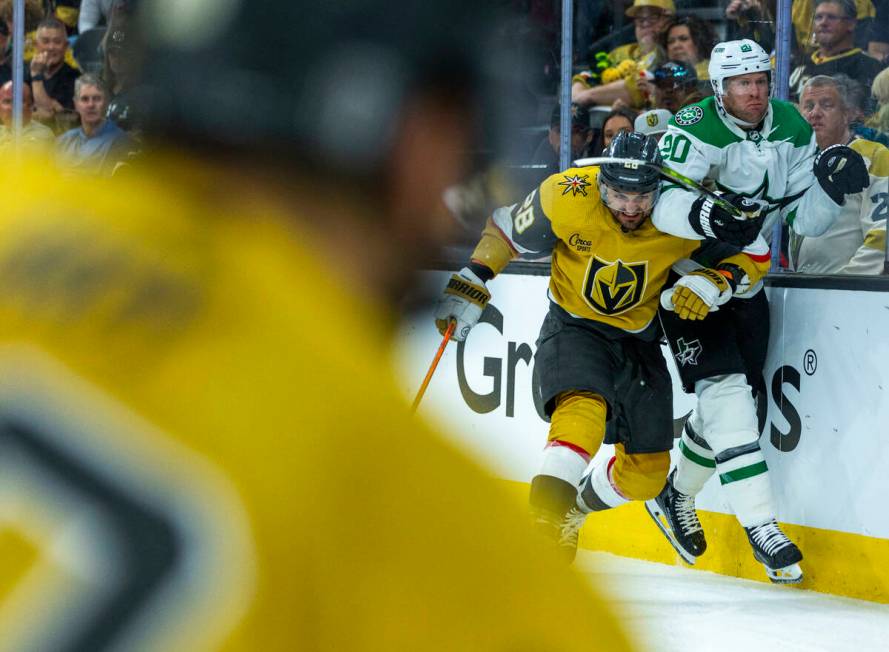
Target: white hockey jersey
[
  {"x": 773, "y": 164},
  {"x": 856, "y": 242}
]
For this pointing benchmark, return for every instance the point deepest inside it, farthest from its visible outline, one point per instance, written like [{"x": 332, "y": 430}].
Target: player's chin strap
[{"x": 684, "y": 181}]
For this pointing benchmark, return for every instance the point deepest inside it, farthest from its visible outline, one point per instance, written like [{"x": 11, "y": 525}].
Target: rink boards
[{"x": 825, "y": 432}]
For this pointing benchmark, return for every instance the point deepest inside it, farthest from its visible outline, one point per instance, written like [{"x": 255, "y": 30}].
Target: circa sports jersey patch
[
  {"x": 576, "y": 184},
  {"x": 613, "y": 287},
  {"x": 689, "y": 115}
]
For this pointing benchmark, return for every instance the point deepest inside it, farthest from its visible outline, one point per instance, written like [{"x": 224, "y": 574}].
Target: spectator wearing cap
[
  {"x": 33, "y": 134},
  {"x": 650, "y": 17},
  {"x": 856, "y": 241},
  {"x": 675, "y": 85},
  {"x": 118, "y": 70},
  {"x": 547, "y": 152},
  {"x": 834, "y": 29},
  {"x": 98, "y": 145},
  {"x": 52, "y": 79},
  {"x": 653, "y": 123},
  {"x": 690, "y": 40}
]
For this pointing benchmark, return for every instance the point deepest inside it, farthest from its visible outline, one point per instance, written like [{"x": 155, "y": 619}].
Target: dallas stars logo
[
  {"x": 689, "y": 115},
  {"x": 688, "y": 352},
  {"x": 576, "y": 184}
]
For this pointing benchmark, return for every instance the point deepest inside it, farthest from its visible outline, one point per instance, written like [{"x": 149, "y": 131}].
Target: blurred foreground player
[{"x": 202, "y": 444}]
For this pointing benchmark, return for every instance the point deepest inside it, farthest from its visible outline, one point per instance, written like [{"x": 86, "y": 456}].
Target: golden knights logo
[
  {"x": 576, "y": 184},
  {"x": 611, "y": 288}
]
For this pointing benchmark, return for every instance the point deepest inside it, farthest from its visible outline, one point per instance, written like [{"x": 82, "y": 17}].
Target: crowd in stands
[
  {"x": 79, "y": 84},
  {"x": 638, "y": 62}
]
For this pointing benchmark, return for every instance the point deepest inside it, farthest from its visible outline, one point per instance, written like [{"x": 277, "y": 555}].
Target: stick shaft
[
  {"x": 684, "y": 181},
  {"x": 668, "y": 172},
  {"x": 432, "y": 367}
]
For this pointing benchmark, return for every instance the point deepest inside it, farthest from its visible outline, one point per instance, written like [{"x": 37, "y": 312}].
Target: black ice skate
[
  {"x": 562, "y": 530},
  {"x": 776, "y": 552},
  {"x": 570, "y": 531},
  {"x": 675, "y": 515}
]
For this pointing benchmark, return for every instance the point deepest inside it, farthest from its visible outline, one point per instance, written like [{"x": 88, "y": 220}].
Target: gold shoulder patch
[{"x": 877, "y": 155}]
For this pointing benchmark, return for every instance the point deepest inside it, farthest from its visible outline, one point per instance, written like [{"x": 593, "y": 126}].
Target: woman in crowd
[
  {"x": 617, "y": 120},
  {"x": 690, "y": 40}
]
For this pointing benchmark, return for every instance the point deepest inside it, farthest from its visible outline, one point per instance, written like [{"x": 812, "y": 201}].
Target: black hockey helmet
[
  {"x": 675, "y": 74},
  {"x": 324, "y": 83},
  {"x": 626, "y": 178}
]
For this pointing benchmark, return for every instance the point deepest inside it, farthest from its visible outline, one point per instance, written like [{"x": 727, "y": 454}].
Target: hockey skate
[
  {"x": 570, "y": 531},
  {"x": 562, "y": 530},
  {"x": 675, "y": 515},
  {"x": 778, "y": 554}
]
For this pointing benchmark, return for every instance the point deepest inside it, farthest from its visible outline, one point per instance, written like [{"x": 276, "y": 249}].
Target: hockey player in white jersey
[{"x": 762, "y": 155}]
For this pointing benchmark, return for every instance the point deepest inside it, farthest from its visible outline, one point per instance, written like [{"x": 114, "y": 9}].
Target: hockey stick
[
  {"x": 441, "y": 348},
  {"x": 684, "y": 181}
]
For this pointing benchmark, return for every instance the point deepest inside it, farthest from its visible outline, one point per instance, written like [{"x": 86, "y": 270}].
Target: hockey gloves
[
  {"x": 697, "y": 293},
  {"x": 841, "y": 171},
  {"x": 711, "y": 220},
  {"x": 465, "y": 297}
]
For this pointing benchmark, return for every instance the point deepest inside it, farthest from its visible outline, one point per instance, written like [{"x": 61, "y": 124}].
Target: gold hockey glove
[{"x": 699, "y": 292}]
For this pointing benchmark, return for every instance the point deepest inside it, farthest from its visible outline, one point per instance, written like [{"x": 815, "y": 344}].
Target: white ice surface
[{"x": 673, "y": 608}]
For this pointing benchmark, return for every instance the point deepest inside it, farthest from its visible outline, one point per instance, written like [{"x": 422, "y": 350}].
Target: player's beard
[{"x": 628, "y": 222}]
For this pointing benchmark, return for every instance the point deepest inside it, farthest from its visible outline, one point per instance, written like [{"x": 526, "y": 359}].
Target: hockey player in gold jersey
[
  {"x": 201, "y": 443},
  {"x": 598, "y": 355}
]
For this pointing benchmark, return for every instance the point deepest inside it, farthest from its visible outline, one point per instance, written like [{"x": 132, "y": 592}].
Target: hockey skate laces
[
  {"x": 686, "y": 515},
  {"x": 571, "y": 525},
  {"x": 770, "y": 538}
]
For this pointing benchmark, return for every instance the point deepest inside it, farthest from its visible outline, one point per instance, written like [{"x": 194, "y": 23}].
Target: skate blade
[
  {"x": 792, "y": 574},
  {"x": 660, "y": 519}
]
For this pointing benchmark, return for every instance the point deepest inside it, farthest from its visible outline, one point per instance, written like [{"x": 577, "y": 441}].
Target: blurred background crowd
[
  {"x": 635, "y": 64},
  {"x": 79, "y": 83}
]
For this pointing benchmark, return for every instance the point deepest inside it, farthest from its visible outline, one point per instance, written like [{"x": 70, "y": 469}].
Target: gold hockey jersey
[
  {"x": 202, "y": 446},
  {"x": 599, "y": 271}
]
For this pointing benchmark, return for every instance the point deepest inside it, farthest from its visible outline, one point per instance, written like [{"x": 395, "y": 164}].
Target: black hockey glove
[
  {"x": 711, "y": 220},
  {"x": 841, "y": 171}
]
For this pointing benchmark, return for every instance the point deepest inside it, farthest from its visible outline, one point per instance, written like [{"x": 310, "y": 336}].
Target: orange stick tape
[{"x": 441, "y": 348}]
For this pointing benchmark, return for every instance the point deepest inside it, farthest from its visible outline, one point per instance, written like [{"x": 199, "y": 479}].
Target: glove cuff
[
  {"x": 471, "y": 276},
  {"x": 699, "y": 217},
  {"x": 721, "y": 282}
]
